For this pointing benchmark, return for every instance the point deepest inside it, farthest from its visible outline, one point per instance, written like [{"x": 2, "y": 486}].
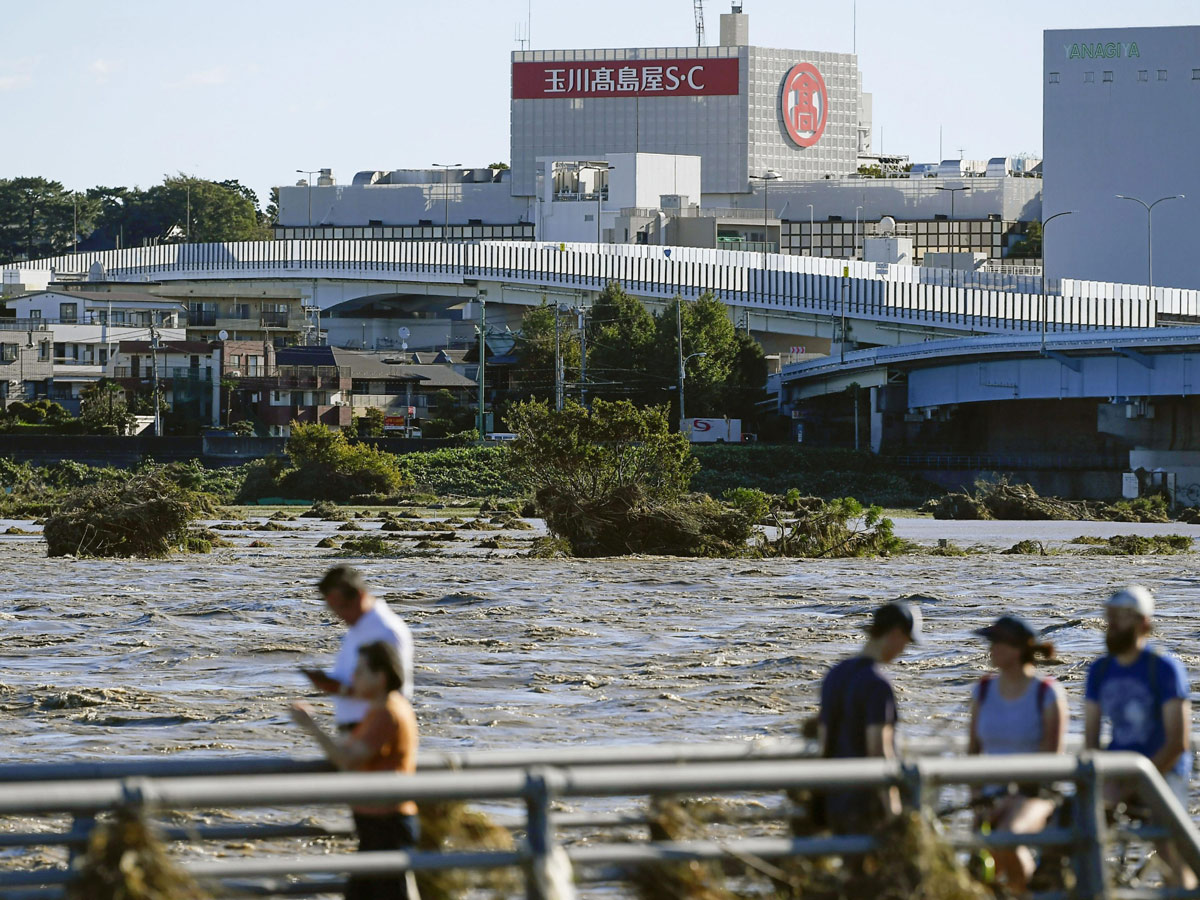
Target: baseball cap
[
  {"x": 1008, "y": 630},
  {"x": 1134, "y": 597},
  {"x": 898, "y": 614}
]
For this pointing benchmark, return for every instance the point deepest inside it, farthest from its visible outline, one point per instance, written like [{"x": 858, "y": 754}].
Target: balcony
[
  {"x": 145, "y": 373},
  {"x": 274, "y": 320},
  {"x": 290, "y": 378}
]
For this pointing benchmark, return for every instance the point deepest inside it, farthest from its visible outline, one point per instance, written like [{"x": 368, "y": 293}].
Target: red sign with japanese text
[
  {"x": 805, "y": 103},
  {"x": 625, "y": 78}
]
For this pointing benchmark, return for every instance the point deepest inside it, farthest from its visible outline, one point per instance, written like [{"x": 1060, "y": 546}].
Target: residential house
[
  {"x": 393, "y": 384},
  {"x": 62, "y": 304},
  {"x": 188, "y": 376},
  {"x": 295, "y": 384},
  {"x": 26, "y": 363}
]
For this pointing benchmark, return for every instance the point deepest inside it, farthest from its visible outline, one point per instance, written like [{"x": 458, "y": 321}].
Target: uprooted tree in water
[
  {"x": 146, "y": 513},
  {"x": 614, "y": 480}
]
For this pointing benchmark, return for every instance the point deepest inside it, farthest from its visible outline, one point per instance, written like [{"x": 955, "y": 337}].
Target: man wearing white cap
[{"x": 1144, "y": 695}]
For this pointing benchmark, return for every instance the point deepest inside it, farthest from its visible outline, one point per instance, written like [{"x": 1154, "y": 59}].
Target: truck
[{"x": 712, "y": 430}]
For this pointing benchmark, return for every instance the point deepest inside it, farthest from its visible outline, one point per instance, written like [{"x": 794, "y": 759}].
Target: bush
[
  {"x": 834, "y": 530},
  {"x": 143, "y": 514},
  {"x": 613, "y": 481},
  {"x": 465, "y": 471},
  {"x": 326, "y": 466}
]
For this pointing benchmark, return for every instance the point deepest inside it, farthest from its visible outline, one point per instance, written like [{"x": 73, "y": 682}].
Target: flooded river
[{"x": 199, "y": 654}]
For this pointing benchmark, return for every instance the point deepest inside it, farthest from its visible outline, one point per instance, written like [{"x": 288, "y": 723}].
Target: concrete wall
[
  {"x": 401, "y": 204},
  {"x": 1121, "y": 115}
]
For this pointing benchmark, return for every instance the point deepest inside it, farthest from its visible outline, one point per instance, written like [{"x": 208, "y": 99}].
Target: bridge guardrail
[
  {"x": 795, "y": 284},
  {"x": 536, "y": 787}
]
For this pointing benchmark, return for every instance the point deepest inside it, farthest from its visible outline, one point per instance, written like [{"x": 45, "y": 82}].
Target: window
[
  {"x": 43, "y": 351},
  {"x": 1143, "y": 75},
  {"x": 1162, "y": 74},
  {"x": 118, "y": 317},
  {"x": 1108, "y": 76},
  {"x": 68, "y": 313},
  {"x": 103, "y": 351},
  {"x": 35, "y": 314},
  {"x": 1089, "y": 77},
  {"x": 8, "y": 352},
  {"x": 1195, "y": 74}
]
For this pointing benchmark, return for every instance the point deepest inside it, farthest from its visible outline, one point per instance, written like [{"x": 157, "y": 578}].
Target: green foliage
[
  {"x": 833, "y": 530},
  {"x": 826, "y": 473},
  {"x": 244, "y": 428},
  {"x": 140, "y": 514},
  {"x": 1030, "y": 246},
  {"x": 104, "y": 405},
  {"x": 755, "y": 504},
  {"x": 1141, "y": 545},
  {"x": 593, "y": 454},
  {"x": 370, "y": 424},
  {"x": 38, "y": 217},
  {"x": 612, "y": 480},
  {"x": 621, "y": 347},
  {"x": 465, "y": 471},
  {"x": 533, "y": 376},
  {"x": 37, "y": 412},
  {"x": 326, "y": 466}
]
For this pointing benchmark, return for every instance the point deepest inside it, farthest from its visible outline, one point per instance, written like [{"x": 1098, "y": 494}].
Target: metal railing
[
  {"x": 802, "y": 285},
  {"x": 542, "y": 778}
]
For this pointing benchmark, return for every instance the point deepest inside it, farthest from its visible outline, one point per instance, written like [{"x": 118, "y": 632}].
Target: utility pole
[
  {"x": 558, "y": 360},
  {"x": 679, "y": 337},
  {"x": 582, "y": 357},
  {"x": 482, "y": 417},
  {"x": 154, "y": 379}
]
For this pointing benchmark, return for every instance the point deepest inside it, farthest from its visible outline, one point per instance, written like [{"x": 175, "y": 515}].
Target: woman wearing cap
[{"x": 1016, "y": 711}]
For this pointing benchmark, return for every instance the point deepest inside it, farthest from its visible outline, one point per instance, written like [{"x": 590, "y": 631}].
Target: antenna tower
[{"x": 698, "y": 8}]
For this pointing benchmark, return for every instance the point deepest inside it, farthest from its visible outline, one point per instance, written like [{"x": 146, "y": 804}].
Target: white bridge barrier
[
  {"x": 547, "y": 776},
  {"x": 979, "y": 302}
]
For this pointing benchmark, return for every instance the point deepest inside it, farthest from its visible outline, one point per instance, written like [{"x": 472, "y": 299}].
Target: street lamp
[
  {"x": 953, "y": 224},
  {"x": 1046, "y": 222},
  {"x": 481, "y": 417},
  {"x": 309, "y": 173},
  {"x": 683, "y": 361},
  {"x": 446, "y": 167},
  {"x": 597, "y": 170},
  {"x": 857, "y": 210},
  {"x": 1149, "y": 240},
  {"x": 766, "y": 178}
]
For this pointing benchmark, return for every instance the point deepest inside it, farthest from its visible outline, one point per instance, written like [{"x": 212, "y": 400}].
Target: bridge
[
  {"x": 794, "y": 295},
  {"x": 527, "y": 790}
]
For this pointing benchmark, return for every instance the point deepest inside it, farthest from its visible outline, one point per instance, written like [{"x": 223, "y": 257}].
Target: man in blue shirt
[
  {"x": 1145, "y": 696},
  {"x": 858, "y": 715}
]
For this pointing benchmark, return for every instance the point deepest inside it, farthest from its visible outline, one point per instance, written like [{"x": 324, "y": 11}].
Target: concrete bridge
[{"x": 771, "y": 293}]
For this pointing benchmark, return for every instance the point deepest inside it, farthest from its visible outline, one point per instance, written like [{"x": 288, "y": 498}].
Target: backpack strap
[
  {"x": 984, "y": 684},
  {"x": 1044, "y": 686}
]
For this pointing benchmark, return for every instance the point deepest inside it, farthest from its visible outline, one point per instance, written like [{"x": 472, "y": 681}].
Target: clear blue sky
[{"x": 121, "y": 93}]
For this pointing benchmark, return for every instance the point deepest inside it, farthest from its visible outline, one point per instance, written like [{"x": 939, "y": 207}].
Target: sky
[{"x": 124, "y": 92}]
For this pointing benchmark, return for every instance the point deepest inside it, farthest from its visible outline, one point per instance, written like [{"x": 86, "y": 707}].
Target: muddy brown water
[{"x": 199, "y": 654}]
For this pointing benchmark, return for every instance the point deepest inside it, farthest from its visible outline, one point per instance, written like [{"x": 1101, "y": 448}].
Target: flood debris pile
[
  {"x": 913, "y": 861},
  {"x": 1137, "y": 544},
  {"x": 454, "y": 826},
  {"x": 126, "y": 861},
  {"x": 142, "y": 514},
  {"x": 613, "y": 480},
  {"x": 813, "y": 528},
  {"x": 1004, "y": 499}
]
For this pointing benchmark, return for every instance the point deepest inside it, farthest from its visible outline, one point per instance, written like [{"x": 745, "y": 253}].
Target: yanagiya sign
[
  {"x": 1104, "y": 50},
  {"x": 625, "y": 78}
]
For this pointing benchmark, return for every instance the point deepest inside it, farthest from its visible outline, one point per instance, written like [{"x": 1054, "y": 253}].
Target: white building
[
  {"x": 98, "y": 308},
  {"x": 1121, "y": 115}
]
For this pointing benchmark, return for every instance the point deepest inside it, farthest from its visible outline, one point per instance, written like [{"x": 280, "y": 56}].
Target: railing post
[
  {"x": 1091, "y": 878},
  {"x": 547, "y": 870}
]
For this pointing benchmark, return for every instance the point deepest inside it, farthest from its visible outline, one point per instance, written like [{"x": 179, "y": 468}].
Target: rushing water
[{"x": 199, "y": 654}]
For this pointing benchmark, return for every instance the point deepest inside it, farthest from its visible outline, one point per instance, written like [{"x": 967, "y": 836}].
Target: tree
[
  {"x": 620, "y": 347},
  {"x": 105, "y": 408},
  {"x": 708, "y": 330},
  {"x": 37, "y": 218},
  {"x": 326, "y": 466},
  {"x": 498, "y": 166},
  {"x": 1030, "y": 246},
  {"x": 534, "y": 374},
  {"x": 612, "y": 480}
]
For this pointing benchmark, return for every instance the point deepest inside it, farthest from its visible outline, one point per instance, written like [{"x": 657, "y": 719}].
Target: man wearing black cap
[{"x": 858, "y": 714}]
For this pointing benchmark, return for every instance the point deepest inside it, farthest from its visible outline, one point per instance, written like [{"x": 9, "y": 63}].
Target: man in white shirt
[{"x": 370, "y": 620}]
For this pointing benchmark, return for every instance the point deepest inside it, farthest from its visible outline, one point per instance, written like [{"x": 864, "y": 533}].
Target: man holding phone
[{"x": 370, "y": 620}]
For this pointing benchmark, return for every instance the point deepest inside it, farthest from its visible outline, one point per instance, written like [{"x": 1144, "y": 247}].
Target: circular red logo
[{"x": 805, "y": 104}]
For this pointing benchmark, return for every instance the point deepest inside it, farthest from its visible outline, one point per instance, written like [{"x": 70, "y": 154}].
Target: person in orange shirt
[{"x": 384, "y": 741}]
